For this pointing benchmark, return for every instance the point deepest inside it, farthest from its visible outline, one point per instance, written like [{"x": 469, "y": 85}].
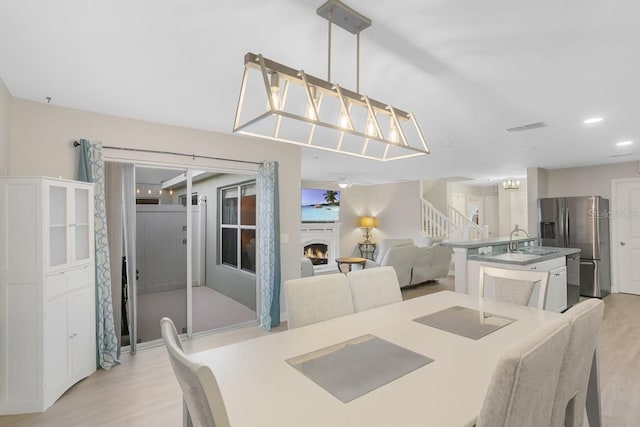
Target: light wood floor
[{"x": 142, "y": 390}]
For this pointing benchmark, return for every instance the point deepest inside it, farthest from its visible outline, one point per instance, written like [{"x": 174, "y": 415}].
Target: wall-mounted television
[{"x": 319, "y": 205}]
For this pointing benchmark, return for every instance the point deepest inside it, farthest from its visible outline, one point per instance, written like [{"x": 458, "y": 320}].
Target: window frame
[{"x": 238, "y": 226}]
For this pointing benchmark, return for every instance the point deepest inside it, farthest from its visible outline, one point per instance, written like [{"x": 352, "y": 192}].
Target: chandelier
[
  {"x": 288, "y": 105},
  {"x": 511, "y": 184}
]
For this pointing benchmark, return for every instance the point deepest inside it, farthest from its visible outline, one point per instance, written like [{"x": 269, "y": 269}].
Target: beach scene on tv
[{"x": 320, "y": 205}]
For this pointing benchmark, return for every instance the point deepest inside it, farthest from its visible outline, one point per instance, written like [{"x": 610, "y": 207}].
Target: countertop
[
  {"x": 471, "y": 244},
  {"x": 499, "y": 257}
]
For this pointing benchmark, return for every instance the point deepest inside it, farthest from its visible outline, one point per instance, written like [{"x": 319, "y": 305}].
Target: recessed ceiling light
[
  {"x": 622, "y": 143},
  {"x": 592, "y": 120}
]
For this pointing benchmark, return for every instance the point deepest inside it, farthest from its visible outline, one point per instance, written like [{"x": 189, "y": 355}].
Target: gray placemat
[
  {"x": 464, "y": 321},
  {"x": 354, "y": 368}
]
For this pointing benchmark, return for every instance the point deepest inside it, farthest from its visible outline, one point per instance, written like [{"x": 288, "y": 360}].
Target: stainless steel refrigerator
[{"x": 583, "y": 223}]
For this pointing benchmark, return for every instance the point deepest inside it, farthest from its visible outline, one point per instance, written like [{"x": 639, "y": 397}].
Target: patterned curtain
[
  {"x": 91, "y": 169},
  {"x": 269, "y": 245}
]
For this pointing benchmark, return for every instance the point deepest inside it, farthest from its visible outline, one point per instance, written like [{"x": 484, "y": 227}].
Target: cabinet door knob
[{"x": 623, "y": 243}]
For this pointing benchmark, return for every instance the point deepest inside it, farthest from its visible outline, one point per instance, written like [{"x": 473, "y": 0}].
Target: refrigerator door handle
[
  {"x": 567, "y": 225},
  {"x": 560, "y": 219}
]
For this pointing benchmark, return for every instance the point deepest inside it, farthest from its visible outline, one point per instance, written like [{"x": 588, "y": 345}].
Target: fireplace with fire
[
  {"x": 320, "y": 242},
  {"x": 318, "y": 253}
]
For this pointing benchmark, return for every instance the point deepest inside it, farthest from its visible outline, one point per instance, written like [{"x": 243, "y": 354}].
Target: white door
[{"x": 625, "y": 239}]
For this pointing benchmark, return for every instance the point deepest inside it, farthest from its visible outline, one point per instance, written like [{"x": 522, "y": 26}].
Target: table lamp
[{"x": 367, "y": 222}]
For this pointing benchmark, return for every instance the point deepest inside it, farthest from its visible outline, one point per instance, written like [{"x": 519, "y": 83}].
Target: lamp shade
[{"x": 367, "y": 222}]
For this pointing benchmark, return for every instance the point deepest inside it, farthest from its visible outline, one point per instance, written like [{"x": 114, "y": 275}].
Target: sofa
[{"x": 413, "y": 264}]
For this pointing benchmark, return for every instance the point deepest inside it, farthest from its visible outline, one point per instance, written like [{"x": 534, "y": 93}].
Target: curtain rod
[{"x": 193, "y": 156}]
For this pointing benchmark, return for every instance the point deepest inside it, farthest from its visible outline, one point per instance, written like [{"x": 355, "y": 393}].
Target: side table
[
  {"x": 367, "y": 250},
  {"x": 349, "y": 262}
]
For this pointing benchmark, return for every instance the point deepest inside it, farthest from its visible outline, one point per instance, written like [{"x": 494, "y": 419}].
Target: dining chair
[
  {"x": 317, "y": 298},
  {"x": 514, "y": 286},
  {"x": 199, "y": 386},
  {"x": 374, "y": 287},
  {"x": 569, "y": 404},
  {"x": 524, "y": 381}
]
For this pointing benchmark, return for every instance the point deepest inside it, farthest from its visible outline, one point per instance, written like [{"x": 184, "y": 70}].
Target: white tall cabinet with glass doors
[{"x": 47, "y": 290}]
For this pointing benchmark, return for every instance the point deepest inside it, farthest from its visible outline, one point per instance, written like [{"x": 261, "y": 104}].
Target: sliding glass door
[
  {"x": 161, "y": 244},
  {"x": 188, "y": 251},
  {"x": 225, "y": 295}
]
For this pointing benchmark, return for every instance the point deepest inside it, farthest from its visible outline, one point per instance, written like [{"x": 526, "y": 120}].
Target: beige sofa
[{"x": 413, "y": 264}]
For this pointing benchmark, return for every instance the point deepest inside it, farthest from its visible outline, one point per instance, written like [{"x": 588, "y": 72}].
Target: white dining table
[{"x": 260, "y": 388}]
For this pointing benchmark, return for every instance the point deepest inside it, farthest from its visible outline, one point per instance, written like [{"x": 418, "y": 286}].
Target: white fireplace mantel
[{"x": 327, "y": 233}]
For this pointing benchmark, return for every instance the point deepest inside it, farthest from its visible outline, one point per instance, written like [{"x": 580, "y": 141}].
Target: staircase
[{"x": 454, "y": 225}]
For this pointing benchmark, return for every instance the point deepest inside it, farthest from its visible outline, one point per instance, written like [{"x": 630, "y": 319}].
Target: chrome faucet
[{"x": 514, "y": 246}]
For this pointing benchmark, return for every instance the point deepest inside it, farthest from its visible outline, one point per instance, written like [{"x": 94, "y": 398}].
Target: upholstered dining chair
[
  {"x": 199, "y": 386},
  {"x": 524, "y": 382},
  {"x": 374, "y": 287},
  {"x": 317, "y": 298},
  {"x": 514, "y": 286},
  {"x": 571, "y": 395}
]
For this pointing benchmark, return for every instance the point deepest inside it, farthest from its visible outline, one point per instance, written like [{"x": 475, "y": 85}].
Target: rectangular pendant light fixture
[{"x": 287, "y": 105}]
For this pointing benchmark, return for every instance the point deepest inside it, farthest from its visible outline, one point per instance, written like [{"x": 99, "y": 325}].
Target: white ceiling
[{"x": 467, "y": 69}]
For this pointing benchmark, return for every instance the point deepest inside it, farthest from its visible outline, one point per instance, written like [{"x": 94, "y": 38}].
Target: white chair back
[
  {"x": 373, "y": 288},
  {"x": 317, "y": 298},
  {"x": 199, "y": 386},
  {"x": 525, "y": 379},
  {"x": 585, "y": 319},
  {"x": 514, "y": 286}
]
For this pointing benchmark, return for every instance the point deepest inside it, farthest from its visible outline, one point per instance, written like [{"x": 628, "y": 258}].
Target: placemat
[
  {"x": 354, "y": 368},
  {"x": 464, "y": 321}
]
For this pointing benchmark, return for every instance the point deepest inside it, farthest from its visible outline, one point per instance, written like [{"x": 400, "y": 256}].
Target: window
[
  {"x": 238, "y": 226},
  {"x": 183, "y": 199}
]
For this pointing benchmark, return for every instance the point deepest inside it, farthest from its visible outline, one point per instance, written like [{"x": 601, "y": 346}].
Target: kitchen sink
[
  {"x": 515, "y": 256},
  {"x": 535, "y": 251}
]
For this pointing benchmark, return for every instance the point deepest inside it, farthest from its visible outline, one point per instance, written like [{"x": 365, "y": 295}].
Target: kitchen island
[{"x": 470, "y": 255}]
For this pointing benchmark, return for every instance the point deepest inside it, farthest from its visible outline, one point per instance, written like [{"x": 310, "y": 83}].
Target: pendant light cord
[
  {"x": 329, "y": 50},
  {"x": 358, "y": 62}
]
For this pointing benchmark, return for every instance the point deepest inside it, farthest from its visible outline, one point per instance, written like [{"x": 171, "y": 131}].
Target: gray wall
[
  {"x": 5, "y": 128},
  {"x": 537, "y": 186},
  {"x": 435, "y": 191},
  {"x": 238, "y": 285},
  {"x": 588, "y": 180}
]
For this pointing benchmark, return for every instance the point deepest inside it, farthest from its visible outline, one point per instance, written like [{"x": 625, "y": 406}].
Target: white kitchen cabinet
[
  {"x": 47, "y": 290},
  {"x": 556, "y": 288},
  {"x": 69, "y": 232}
]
